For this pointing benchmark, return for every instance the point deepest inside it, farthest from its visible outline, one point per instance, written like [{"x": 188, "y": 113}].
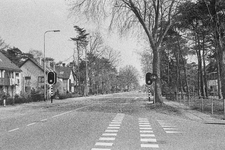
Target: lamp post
[{"x": 45, "y": 63}]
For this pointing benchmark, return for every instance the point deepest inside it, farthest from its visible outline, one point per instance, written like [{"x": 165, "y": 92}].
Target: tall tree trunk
[
  {"x": 156, "y": 70},
  {"x": 178, "y": 76},
  {"x": 185, "y": 71},
  {"x": 201, "y": 88},
  {"x": 219, "y": 48},
  {"x": 204, "y": 66}
]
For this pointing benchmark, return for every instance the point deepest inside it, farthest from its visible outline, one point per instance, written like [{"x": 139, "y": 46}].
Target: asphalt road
[{"x": 124, "y": 121}]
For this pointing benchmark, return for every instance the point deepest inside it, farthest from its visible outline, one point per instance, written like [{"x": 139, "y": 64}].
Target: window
[
  {"x": 17, "y": 74},
  {"x": 40, "y": 79},
  {"x": 27, "y": 80}
]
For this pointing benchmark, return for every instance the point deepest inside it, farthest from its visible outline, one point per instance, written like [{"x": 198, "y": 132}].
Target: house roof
[
  {"x": 34, "y": 61},
  {"x": 7, "y": 64},
  {"x": 63, "y": 72}
]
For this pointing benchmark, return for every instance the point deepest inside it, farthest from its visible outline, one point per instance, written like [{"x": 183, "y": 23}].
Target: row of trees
[
  {"x": 96, "y": 71},
  {"x": 174, "y": 29},
  {"x": 198, "y": 30}
]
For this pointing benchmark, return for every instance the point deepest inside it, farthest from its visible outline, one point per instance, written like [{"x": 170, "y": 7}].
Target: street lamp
[{"x": 45, "y": 63}]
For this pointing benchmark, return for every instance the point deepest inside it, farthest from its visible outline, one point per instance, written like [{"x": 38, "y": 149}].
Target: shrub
[
  {"x": 35, "y": 97},
  {"x": 64, "y": 96}
]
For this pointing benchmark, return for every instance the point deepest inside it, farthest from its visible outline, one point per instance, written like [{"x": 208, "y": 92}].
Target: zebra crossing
[{"x": 147, "y": 137}]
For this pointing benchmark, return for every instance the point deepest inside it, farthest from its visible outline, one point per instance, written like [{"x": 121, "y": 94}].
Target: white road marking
[
  {"x": 146, "y": 131},
  {"x": 31, "y": 124},
  {"x": 113, "y": 127},
  {"x": 147, "y": 135},
  {"x": 13, "y": 130},
  {"x": 148, "y": 140},
  {"x": 103, "y": 144},
  {"x": 44, "y": 120},
  {"x": 145, "y": 128},
  {"x": 150, "y": 145},
  {"x": 116, "y": 122},
  {"x": 106, "y": 138},
  {"x": 170, "y": 128},
  {"x": 111, "y": 130},
  {"x": 145, "y": 125},
  {"x": 100, "y": 149},
  {"x": 173, "y": 132},
  {"x": 61, "y": 114},
  {"x": 109, "y": 134}
]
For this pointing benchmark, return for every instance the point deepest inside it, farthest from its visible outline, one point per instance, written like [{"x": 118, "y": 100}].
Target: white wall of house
[
  {"x": 29, "y": 69},
  {"x": 14, "y": 82},
  {"x": 71, "y": 80}
]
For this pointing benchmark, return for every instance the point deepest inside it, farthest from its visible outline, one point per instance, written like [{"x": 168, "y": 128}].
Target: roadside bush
[
  {"x": 64, "y": 96},
  {"x": 37, "y": 97},
  {"x": 9, "y": 101}
]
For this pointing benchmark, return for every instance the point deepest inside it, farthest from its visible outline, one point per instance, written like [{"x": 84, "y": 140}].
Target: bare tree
[
  {"x": 154, "y": 16},
  {"x": 3, "y": 45},
  {"x": 128, "y": 77}
]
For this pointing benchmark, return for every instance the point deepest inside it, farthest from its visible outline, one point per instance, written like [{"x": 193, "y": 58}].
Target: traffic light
[
  {"x": 52, "y": 77},
  {"x": 148, "y": 79}
]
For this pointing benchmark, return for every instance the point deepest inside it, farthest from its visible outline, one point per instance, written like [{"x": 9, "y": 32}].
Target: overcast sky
[{"x": 23, "y": 23}]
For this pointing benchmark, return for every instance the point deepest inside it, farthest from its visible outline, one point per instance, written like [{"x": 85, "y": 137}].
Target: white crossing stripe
[
  {"x": 103, "y": 144},
  {"x": 115, "y": 122},
  {"x": 144, "y": 125},
  {"x": 100, "y": 149},
  {"x": 113, "y": 127},
  {"x": 145, "y": 128},
  {"x": 107, "y": 138},
  {"x": 173, "y": 132},
  {"x": 146, "y": 131},
  {"x": 109, "y": 134},
  {"x": 170, "y": 128},
  {"x": 111, "y": 130},
  {"x": 147, "y": 135},
  {"x": 140, "y": 123},
  {"x": 150, "y": 145},
  {"x": 148, "y": 140}
]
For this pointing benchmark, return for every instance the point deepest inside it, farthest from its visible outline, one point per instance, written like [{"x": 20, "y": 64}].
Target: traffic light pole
[
  {"x": 51, "y": 93},
  {"x": 149, "y": 93}
]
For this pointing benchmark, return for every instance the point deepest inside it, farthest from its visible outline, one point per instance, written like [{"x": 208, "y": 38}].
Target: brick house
[{"x": 9, "y": 77}]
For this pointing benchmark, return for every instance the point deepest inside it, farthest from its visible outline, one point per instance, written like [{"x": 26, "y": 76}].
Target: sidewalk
[{"x": 192, "y": 114}]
